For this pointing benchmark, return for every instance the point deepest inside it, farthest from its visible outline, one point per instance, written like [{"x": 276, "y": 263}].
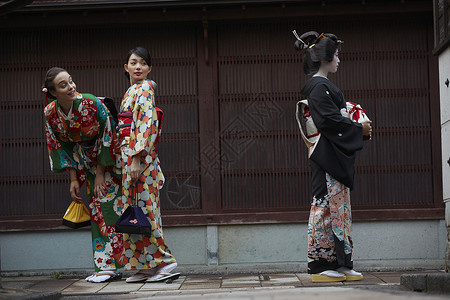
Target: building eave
[{"x": 123, "y": 4}]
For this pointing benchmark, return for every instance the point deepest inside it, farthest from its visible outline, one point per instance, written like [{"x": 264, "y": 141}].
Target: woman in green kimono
[{"x": 81, "y": 139}]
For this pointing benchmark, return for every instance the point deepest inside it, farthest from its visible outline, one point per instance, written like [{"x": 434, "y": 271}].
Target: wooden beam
[
  {"x": 53, "y": 222},
  {"x": 121, "y": 15}
]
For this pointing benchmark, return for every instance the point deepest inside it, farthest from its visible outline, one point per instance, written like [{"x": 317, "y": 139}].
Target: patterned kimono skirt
[
  {"x": 105, "y": 211},
  {"x": 141, "y": 252},
  {"x": 329, "y": 228}
]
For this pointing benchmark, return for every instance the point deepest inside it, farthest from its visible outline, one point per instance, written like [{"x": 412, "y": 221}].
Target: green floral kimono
[{"x": 81, "y": 140}]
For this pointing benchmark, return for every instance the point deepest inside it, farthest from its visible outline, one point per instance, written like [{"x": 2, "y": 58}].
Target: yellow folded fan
[{"x": 77, "y": 215}]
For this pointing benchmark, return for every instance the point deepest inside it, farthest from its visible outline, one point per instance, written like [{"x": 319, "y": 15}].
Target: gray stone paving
[{"x": 375, "y": 285}]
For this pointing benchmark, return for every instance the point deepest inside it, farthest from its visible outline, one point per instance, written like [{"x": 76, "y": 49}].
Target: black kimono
[{"x": 332, "y": 165}]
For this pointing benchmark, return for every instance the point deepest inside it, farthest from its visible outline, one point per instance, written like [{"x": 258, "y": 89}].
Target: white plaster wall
[
  {"x": 395, "y": 245},
  {"x": 377, "y": 245},
  {"x": 444, "y": 91},
  {"x": 399, "y": 244},
  {"x": 46, "y": 250},
  {"x": 241, "y": 244},
  {"x": 71, "y": 249}
]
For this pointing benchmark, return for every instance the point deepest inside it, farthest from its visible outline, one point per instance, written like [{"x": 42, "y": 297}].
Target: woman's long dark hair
[
  {"x": 317, "y": 48},
  {"x": 141, "y": 52},
  {"x": 48, "y": 82}
]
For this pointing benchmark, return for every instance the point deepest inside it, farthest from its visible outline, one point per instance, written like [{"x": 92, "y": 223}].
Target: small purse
[
  {"x": 133, "y": 220},
  {"x": 77, "y": 215}
]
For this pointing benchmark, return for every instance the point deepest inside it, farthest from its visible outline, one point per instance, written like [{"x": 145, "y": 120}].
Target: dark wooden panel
[
  {"x": 95, "y": 58},
  {"x": 386, "y": 74},
  {"x": 231, "y": 150}
]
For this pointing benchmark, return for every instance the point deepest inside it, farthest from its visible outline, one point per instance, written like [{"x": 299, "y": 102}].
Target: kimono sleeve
[
  {"x": 106, "y": 137},
  {"x": 60, "y": 151},
  {"x": 339, "y": 130},
  {"x": 145, "y": 122}
]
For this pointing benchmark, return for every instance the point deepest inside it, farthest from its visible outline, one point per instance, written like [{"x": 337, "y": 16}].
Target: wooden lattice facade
[{"x": 228, "y": 81}]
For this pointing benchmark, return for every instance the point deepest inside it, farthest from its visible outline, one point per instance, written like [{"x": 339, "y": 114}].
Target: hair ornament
[
  {"x": 44, "y": 90},
  {"x": 298, "y": 38},
  {"x": 322, "y": 35}
]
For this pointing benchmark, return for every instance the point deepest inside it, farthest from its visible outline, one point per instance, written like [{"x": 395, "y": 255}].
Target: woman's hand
[
  {"x": 367, "y": 129},
  {"x": 74, "y": 186},
  {"x": 99, "y": 183},
  {"x": 135, "y": 170},
  {"x": 75, "y": 190}
]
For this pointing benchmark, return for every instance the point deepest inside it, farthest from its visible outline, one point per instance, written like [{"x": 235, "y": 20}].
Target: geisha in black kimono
[{"x": 332, "y": 158}]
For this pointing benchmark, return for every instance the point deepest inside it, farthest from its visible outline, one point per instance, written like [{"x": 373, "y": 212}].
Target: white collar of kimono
[
  {"x": 320, "y": 76},
  {"x": 67, "y": 117}
]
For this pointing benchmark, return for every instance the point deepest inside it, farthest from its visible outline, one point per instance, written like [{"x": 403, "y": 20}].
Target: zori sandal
[
  {"x": 104, "y": 276},
  {"x": 328, "y": 276},
  {"x": 163, "y": 273},
  {"x": 161, "y": 276},
  {"x": 352, "y": 275},
  {"x": 141, "y": 276}
]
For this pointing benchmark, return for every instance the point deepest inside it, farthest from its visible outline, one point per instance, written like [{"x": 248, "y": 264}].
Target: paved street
[{"x": 375, "y": 285}]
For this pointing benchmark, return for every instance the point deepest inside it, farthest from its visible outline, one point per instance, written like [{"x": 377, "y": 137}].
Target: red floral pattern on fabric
[{"x": 79, "y": 140}]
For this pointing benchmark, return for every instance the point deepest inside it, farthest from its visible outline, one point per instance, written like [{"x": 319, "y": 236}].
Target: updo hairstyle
[
  {"x": 317, "y": 48},
  {"x": 48, "y": 83}
]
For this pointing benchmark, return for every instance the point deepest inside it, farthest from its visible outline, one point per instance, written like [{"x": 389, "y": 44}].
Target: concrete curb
[
  {"x": 209, "y": 270},
  {"x": 429, "y": 283},
  {"x": 22, "y": 294}
]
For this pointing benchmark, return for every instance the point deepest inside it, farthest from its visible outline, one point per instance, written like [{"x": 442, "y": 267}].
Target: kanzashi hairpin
[
  {"x": 322, "y": 35},
  {"x": 298, "y": 38}
]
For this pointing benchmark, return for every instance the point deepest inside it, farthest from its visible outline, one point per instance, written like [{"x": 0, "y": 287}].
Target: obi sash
[
  {"x": 126, "y": 118},
  {"x": 88, "y": 143}
]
